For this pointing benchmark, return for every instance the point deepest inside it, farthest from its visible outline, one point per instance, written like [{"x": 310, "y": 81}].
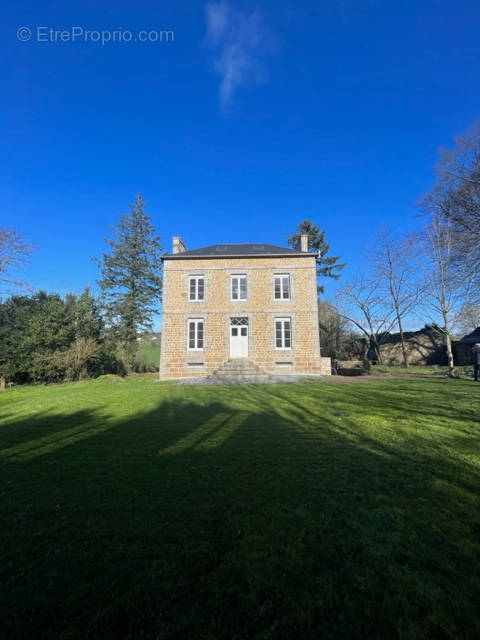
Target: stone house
[{"x": 250, "y": 304}]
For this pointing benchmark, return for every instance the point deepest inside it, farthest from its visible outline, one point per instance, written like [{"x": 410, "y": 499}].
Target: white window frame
[
  {"x": 238, "y": 277},
  {"x": 282, "y": 276},
  {"x": 283, "y": 337},
  {"x": 196, "y": 279},
  {"x": 195, "y": 322}
]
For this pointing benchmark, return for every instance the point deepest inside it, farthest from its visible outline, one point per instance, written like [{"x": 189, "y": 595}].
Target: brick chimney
[
  {"x": 304, "y": 242},
  {"x": 178, "y": 245}
]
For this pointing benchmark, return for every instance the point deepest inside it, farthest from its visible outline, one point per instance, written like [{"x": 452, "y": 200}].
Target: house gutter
[{"x": 242, "y": 255}]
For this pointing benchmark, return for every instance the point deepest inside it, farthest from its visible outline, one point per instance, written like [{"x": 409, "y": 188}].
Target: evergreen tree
[
  {"x": 131, "y": 280},
  {"x": 85, "y": 315},
  {"x": 32, "y": 328},
  {"x": 47, "y": 338},
  {"x": 327, "y": 266}
]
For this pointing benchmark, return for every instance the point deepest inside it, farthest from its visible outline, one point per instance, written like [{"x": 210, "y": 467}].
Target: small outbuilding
[{"x": 463, "y": 347}]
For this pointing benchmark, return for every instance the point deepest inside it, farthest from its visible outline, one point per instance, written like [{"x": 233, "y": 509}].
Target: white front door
[{"x": 238, "y": 337}]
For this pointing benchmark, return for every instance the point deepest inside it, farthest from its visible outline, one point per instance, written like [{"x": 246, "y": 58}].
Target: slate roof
[
  {"x": 236, "y": 250},
  {"x": 471, "y": 338}
]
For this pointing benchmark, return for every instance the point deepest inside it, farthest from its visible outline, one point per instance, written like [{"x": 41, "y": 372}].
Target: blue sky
[{"x": 256, "y": 116}]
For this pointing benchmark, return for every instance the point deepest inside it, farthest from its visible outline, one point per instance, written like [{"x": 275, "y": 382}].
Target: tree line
[
  {"x": 432, "y": 274},
  {"x": 48, "y": 338}
]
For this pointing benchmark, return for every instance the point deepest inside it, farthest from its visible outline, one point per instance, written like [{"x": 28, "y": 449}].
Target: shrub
[
  {"x": 46, "y": 367},
  {"x": 140, "y": 364},
  {"x": 367, "y": 366},
  {"x": 109, "y": 362},
  {"x": 351, "y": 371},
  {"x": 80, "y": 360}
]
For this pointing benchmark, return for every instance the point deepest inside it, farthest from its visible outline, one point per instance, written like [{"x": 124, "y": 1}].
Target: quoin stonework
[{"x": 232, "y": 302}]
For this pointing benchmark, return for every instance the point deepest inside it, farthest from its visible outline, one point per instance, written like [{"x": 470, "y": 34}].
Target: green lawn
[
  {"x": 413, "y": 369},
  {"x": 133, "y": 509},
  {"x": 149, "y": 353}
]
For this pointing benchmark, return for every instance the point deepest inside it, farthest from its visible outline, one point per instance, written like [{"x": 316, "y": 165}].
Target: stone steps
[{"x": 239, "y": 370}]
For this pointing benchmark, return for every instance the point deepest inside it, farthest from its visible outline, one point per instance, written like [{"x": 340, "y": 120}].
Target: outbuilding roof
[
  {"x": 471, "y": 338},
  {"x": 236, "y": 250}
]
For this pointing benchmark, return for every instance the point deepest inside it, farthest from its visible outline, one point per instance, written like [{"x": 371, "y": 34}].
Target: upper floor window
[
  {"x": 239, "y": 287},
  {"x": 282, "y": 287},
  {"x": 196, "y": 288},
  {"x": 195, "y": 334},
  {"x": 283, "y": 333}
]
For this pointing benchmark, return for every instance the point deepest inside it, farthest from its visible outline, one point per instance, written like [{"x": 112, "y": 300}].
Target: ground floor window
[
  {"x": 195, "y": 334},
  {"x": 283, "y": 333}
]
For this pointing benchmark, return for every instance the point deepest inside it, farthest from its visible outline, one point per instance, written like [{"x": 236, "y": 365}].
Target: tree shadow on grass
[
  {"x": 201, "y": 520},
  {"x": 402, "y": 397},
  {"x": 46, "y": 434}
]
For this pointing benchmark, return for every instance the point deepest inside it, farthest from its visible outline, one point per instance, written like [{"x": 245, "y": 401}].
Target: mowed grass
[
  {"x": 137, "y": 509},
  {"x": 149, "y": 352}
]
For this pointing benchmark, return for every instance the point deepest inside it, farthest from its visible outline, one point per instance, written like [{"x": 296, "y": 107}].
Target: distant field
[
  {"x": 150, "y": 349},
  {"x": 137, "y": 509}
]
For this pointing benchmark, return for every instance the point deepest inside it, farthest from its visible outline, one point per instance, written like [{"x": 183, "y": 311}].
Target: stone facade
[{"x": 260, "y": 308}]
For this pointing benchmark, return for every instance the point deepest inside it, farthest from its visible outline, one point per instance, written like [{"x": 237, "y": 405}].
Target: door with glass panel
[{"x": 238, "y": 337}]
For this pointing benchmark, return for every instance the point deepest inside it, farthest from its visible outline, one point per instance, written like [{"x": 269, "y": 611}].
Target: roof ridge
[
  {"x": 239, "y": 250},
  {"x": 237, "y": 244}
]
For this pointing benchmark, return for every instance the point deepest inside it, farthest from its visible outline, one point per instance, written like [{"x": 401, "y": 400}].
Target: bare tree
[
  {"x": 392, "y": 260},
  {"x": 448, "y": 284},
  {"x": 469, "y": 317},
  {"x": 14, "y": 252},
  {"x": 362, "y": 304},
  {"x": 333, "y": 330},
  {"x": 455, "y": 197}
]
